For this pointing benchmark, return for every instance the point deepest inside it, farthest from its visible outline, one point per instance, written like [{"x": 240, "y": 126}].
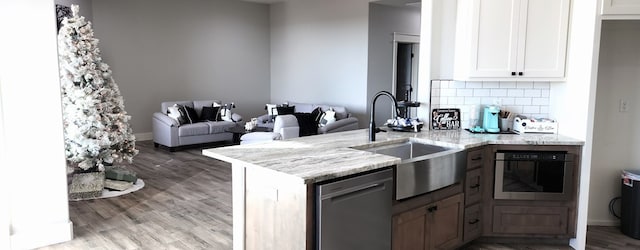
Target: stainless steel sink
[{"x": 424, "y": 167}]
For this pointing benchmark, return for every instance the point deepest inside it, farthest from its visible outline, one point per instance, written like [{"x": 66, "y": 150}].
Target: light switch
[{"x": 624, "y": 105}]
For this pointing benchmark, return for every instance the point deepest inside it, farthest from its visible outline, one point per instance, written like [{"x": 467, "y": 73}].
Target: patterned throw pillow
[
  {"x": 188, "y": 114},
  {"x": 328, "y": 116},
  {"x": 174, "y": 113}
]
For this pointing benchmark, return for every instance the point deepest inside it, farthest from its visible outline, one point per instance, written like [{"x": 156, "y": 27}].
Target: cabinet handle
[
  {"x": 513, "y": 73},
  {"x": 474, "y": 222},
  {"x": 431, "y": 209},
  {"x": 475, "y": 186},
  {"x": 477, "y": 158},
  {"x": 520, "y": 73}
]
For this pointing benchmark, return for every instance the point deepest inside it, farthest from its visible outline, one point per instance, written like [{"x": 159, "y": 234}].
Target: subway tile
[
  {"x": 456, "y": 100},
  {"x": 508, "y": 101},
  {"x": 464, "y": 92},
  {"x": 472, "y": 100},
  {"x": 444, "y": 84},
  {"x": 487, "y": 100},
  {"x": 515, "y": 92},
  {"x": 447, "y": 92},
  {"x": 514, "y": 109},
  {"x": 457, "y": 85},
  {"x": 435, "y": 84},
  {"x": 525, "y": 85},
  {"x": 499, "y": 92},
  {"x": 523, "y": 101},
  {"x": 481, "y": 92},
  {"x": 544, "y": 110},
  {"x": 474, "y": 85},
  {"x": 490, "y": 85},
  {"x": 540, "y": 101},
  {"x": 507, "y": 85},
  {"x": 532, "y": 92},
  {"x": 542, "y": 85},
  {"x": 545, "y": 93},
  {"x": 435, "y": 100},
  {"x": 435, "y": 92},
  {"x": 531, "y": 109}
]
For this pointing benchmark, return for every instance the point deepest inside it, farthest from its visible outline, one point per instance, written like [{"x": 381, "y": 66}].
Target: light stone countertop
[{"x": 324, "y": 157}]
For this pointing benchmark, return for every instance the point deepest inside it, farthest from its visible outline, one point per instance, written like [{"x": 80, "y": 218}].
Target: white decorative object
[{"x": 96, "y": 126}]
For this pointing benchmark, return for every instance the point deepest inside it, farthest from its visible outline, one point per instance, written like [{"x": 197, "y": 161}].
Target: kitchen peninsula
[{"x": 274, "y": 183}]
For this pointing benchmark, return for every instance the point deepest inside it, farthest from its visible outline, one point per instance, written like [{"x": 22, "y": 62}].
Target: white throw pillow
[
  {"x": 225, "y": 114},
  {"x": 272, "y": 110}
]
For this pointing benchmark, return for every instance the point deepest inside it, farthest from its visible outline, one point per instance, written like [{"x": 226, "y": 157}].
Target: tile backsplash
[{"x": 525, "y": 98}]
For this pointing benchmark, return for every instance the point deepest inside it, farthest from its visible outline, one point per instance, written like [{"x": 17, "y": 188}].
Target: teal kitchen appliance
[{"x": 490, "y": 119}]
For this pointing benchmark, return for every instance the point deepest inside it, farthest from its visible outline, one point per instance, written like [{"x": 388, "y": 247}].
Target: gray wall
[
  {"x": 383, "y": 21},
  {"x": 182, "y": 50},
  {"x": 616, "y": 139},
  {"x": 319, "y": 53}
]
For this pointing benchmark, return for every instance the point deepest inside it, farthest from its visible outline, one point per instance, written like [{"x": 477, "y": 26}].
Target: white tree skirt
[{"x": 106, "y": 193}]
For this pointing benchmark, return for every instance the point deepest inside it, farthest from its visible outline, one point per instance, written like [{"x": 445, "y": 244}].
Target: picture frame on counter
[{"x": 445, "y": 119}]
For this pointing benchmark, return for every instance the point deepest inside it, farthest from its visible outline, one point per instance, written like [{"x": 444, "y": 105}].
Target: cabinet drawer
[
  {"x": 472, "y": 223},
  {"x": 473, "y": 187},
  {"x": 530, "y": 220},
  {"x": 474, "y": 159}
]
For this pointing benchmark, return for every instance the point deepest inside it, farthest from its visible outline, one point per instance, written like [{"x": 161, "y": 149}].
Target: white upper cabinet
[
  {"x": 620, "y": 7},
  {"x": 515, "y": 40}
]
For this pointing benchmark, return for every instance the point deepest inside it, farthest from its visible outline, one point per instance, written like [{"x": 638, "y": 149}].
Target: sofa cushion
[
  {"x": 219, "y": 127},
  {"x": 200, "y": 128}
]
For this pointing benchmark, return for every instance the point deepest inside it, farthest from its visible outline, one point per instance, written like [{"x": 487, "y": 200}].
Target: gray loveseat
[
  {"x": 286, "y": 126},
  {"x": 168, "y": 132}
]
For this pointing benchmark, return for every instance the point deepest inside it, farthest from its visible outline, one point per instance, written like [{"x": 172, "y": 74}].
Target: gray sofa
[
  {"x": 286, "y": 126},
  {"x": 169, "y": 133}
]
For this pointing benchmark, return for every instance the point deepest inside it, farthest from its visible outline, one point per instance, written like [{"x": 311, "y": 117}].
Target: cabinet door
[
  {"x": 473, "y": 187},
  {"x": 542, "y": 38},
  {"x": 621, "y": 7},
  {"x": 472, "y": 222},
  {"x": 494, "y": 35},
  {"x": 445, "y": 226},
  {"x": 410, "y": 230},
  {"x": 511, "y": 39},
  {"x": 529, "y": 220}
]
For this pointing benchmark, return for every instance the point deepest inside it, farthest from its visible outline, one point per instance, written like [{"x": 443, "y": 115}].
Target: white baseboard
[
  {"x": 603, "y": 223},
  {"x": 144, "y": 136},
  {"x": 42, "y": 235}
]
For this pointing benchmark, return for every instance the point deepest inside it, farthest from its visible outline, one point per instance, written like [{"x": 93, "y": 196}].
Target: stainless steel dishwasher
[{"x": 355, "y": 213}]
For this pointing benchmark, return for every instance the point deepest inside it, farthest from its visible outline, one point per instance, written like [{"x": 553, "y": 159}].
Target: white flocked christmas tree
[{"x": 96, "y": 126}]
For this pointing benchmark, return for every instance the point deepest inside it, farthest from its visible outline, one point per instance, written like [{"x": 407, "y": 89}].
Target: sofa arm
[
  {"x": 236, "y": 117},
  {"x": 255, "y": 137},
  {"x": 346, "y": 124},
  {"x": 165, "y": 119}
]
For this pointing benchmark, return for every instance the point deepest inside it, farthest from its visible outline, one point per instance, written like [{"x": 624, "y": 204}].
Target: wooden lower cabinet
[
  {"x": 472, "y": 222},
  {"x": 531, "y": 220},
  {"x": 434, "y": 226}
]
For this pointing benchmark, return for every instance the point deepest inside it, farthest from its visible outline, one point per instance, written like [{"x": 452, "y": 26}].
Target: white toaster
[{"x": 531, "y": 125}]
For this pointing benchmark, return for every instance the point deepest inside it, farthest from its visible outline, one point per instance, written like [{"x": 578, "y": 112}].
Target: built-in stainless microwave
[{"x": 533, "y": 175}]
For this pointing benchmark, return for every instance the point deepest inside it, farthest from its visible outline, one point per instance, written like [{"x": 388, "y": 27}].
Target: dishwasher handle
[{"x": 359, "y": 190}]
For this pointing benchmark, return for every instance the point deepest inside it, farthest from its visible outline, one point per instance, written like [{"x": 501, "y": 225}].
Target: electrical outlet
[{"x": 624, "y": 105}]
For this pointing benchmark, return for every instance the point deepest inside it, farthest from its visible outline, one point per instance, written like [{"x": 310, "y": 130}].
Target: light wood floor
[{"x": 186, "y": 204}]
